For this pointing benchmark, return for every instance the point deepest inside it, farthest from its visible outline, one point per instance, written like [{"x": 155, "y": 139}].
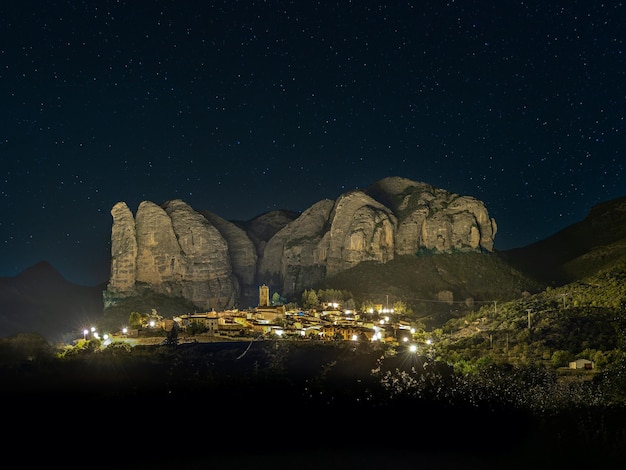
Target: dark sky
[{"x": 245, "y": 107}]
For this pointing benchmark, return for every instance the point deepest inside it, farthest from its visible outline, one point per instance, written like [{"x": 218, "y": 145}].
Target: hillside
[
  {"x": 471, "y": 279},
  {"x": 40, "y": 300},
  {"x": 581, "y": 313},
  {"x": 578, "y": 250}
]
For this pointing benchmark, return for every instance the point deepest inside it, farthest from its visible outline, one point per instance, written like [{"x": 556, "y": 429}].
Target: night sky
[{"x": 245, "y": 107}]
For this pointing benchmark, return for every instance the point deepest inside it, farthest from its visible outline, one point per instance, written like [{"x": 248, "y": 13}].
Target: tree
[
  {"x": 135, "y": 319},
  {"x": 29, "y": 347},
  {"x": 309, "y": 299},
  {"x": 276, "y": 299},
  {"x": 367, "y": 305},
  {"x": 399, "y": 307},
  {"x": 172, "y": 336}
]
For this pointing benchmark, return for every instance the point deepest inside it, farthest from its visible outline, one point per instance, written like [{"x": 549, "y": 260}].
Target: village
[{"x": 330, "y": 323}]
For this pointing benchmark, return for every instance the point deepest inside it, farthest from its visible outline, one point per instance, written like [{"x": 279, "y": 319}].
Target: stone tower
[{"x": 264, "y": 296}]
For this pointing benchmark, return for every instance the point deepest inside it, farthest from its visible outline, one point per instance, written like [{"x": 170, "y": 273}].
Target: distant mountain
[
  {"x": 579, "y": 250},
  {"x": 40, "y": 300}
]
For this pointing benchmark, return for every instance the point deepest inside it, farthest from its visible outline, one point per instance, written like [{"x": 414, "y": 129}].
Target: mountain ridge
[
  {"x": 175, "y": 250},
  {"x": 40, "y": 300}
]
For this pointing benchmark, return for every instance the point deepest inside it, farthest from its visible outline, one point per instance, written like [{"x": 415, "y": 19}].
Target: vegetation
[
  {"x": 468, "y": 279},
  {"x": 375, "y": 387},
  {"x": 579, "y": 320},
  {"x": 117, "y": 310}
]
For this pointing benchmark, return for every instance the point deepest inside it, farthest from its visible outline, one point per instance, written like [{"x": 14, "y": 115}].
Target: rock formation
[{"x": 177, "y": 251}]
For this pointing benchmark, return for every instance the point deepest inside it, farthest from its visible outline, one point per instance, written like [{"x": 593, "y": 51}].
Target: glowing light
[
  {"x": 378, "y": 334},
  {"x": 413, "y": 348}
]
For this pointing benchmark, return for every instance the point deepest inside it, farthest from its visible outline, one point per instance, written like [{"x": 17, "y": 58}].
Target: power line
[
  {"x": 456, "y": 301},
  {"x": 244, "y": 353}
]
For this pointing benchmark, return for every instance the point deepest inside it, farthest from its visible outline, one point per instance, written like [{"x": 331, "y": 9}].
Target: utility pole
[
  {"x": 495, "y": 307},
  {"x": 529, "y": 310}
]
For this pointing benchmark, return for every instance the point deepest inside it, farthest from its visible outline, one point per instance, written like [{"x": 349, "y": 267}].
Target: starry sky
[{"x": 242, "y": 107}]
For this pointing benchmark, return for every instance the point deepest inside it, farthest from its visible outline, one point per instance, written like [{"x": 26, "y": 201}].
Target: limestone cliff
[
  {"x": 242, "y": 252},
  {"x": 434, "y": 219},
  {"x": 292, "y": 258},
  {"x": 123, "y": 250},
  {"x": 177, "y": 251}
]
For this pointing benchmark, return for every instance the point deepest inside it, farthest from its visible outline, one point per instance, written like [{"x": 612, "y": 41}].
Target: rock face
[
  {"x": 435, "y": 219},
  {"x": 123, "y": 250},
  {"x": 243, "y": 256},
  {"x": 174, "y": 250},
  {"x": 293, "y": 256}
]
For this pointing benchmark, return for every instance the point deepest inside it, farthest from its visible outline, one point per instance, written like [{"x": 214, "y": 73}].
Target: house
[
  {"x": 208, "y": 320},
  {"x": 231, "y": 329},
  {"x": 585, "y": 364},
  {"x": 346, "y": 332}
]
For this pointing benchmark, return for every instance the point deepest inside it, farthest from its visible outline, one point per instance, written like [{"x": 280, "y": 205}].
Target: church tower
[{"x": 264, "y": 296}]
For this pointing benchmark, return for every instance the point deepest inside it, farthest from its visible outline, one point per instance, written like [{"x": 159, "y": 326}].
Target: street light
[{"x": 85, "y": 333}]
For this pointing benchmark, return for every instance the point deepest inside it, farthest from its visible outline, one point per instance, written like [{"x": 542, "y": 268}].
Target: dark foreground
[{"x": 264, "y": 405}]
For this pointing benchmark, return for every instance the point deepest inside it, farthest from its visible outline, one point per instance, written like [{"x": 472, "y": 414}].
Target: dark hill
[
  {"x": 40, "y": 300},
  {"x": 601, "y": 235}
]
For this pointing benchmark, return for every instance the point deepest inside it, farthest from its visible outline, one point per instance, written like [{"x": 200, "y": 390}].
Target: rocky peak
[
  {"x": 172, "y": 250},
  {"x": 178, "y": 251}
]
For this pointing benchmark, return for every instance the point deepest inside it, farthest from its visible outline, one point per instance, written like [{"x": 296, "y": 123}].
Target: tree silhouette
[{"x": 172, "y": 336}]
